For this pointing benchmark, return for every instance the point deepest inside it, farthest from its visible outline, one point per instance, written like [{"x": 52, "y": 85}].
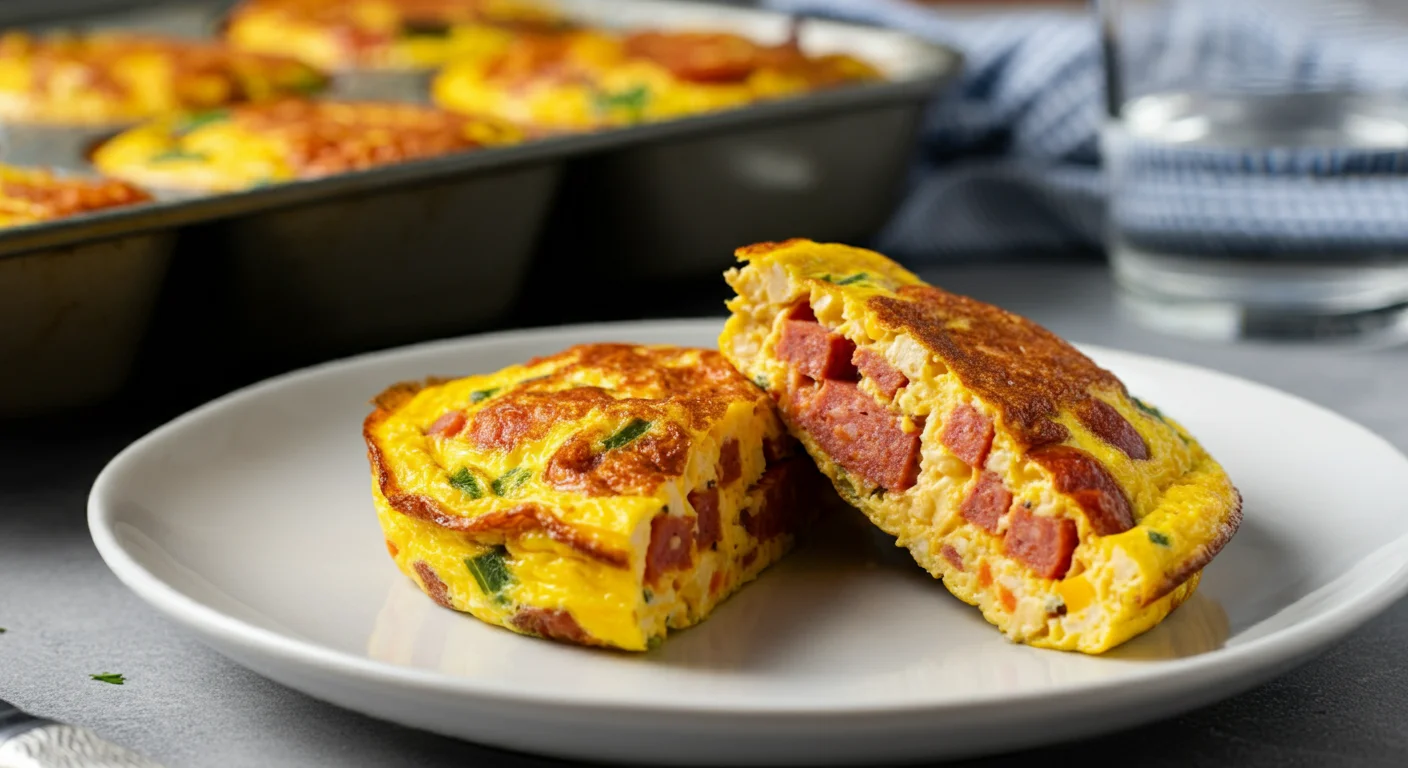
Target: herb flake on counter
[
  {"x": 633, "y": 429},
  {"x": 465, "y": 481},
  {"x": 1159, "y": 538},
  {"x": 509, "y": 481},
  {"x": 491, "y": 573},
  {"x": 3, "y": 630},
  {"x": 480, "y": 395},
  {"x": 111, "y": 678}
]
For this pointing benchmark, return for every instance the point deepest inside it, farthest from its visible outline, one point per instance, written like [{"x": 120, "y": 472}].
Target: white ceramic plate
[{"x": 250, "y": 522}]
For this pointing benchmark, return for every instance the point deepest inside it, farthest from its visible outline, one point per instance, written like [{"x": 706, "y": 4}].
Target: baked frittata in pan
[
  {"x": 589, "y": 79},
  {"x": 258, "y": 144},
  {"x": 601, "y": 496},
  {"x": 1074, "y": 515},
  {"x": 30, "y": 195},
  {"x": 385, "y": 35},
  {"x": 111, "y": 78}
]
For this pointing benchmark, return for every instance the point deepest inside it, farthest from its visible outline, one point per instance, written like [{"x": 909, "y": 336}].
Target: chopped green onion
[
  {"x": 202, "y": 119},
  {"x": 491, "y": 573},
  {"x": 761, "y": 381},
  {"x": 480, "y": 395},
  {"x": 654, "y": 642},
  {"x": 1159, "y": 538},
  {"x": 464, "y": 480},
  {"x": 178, "y": 154},
  {"x": 111, "y": 678},
  {"x": 633, "y": 99},
  {"x": 510, "y": 481},
  {"x": 856, "y": 278},
  {"x": 1149, "y": 409},
  {"x": 633, "y": 429},
  {"x": 647, "y": 595}
]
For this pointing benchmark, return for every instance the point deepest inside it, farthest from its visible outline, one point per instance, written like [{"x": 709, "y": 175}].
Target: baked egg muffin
[
  {"x": 253, "y": 145},
  {"x": 30, "y": 195},
  {"x": 111, "y": 78},
  {"x": 589, "y": 79},
  {"x": 1073, "y": 514},
  {"x": 386, "y": 35},
  {"x": 600, "y": 496}
]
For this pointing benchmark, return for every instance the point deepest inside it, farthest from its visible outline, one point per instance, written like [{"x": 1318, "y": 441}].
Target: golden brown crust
[
  {"x": 515, "y": 521},
  {"x": 434, "y": 587},
  {"x": 553, "y": 624},
  {"x": 1027, "y": 373},
  {"x": 29, "y": 195},
  {"x": 636, "y": 469},
  {"x": 701, "y": 390}
]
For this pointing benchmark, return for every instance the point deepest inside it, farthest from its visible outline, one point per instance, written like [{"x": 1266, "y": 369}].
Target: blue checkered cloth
[{"x": 1010, "y": 157}]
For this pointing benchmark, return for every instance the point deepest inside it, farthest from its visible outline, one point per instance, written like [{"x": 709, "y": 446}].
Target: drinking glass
[{"x": 1256, "y": 160}]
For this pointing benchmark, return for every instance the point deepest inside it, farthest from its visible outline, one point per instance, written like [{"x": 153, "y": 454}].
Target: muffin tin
[{"x": 443, "y": 245}]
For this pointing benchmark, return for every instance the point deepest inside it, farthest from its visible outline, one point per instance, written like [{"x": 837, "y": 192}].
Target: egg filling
[
  {"x": 601, "y": 496},
  {"x": 1072, "y": 514}
]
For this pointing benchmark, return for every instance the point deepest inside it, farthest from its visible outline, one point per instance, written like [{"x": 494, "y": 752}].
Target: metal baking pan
[
  {"x": 72, "y": 319},
  {"x": 442, "y": 245}
]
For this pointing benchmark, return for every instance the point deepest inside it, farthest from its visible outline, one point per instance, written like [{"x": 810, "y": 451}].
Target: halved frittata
[
  {"x": 600, "y": 496},
  {"x": 1009, "y": 464}
]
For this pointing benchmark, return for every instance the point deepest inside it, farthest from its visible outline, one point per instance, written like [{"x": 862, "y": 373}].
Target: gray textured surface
[{"x": 67, "y": 617}]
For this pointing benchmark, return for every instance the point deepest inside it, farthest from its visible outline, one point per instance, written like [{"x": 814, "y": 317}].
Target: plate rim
[{"x": 1251, "y": 659}]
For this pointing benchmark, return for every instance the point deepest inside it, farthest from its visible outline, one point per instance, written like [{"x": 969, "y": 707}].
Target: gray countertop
[{"x": 68, "y": 617}]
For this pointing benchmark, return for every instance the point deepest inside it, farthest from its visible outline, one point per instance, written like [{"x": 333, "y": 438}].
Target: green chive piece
[
  {"x": 635, "y": 428},
  {"x": 633, "y": 100},
  {"x": 111, "y": 678},
  {"x": 171, "y": 155},
  {"x": 1159, "y": 538},
  {"x": 465, "y": 480},
  {"x": 510, "y": 481},
  {"x": 480, "y": 395},
  {"x": 3, "y": 630},
  {"x": 491, "y": 573},
  {"x": 853, "y": 279},
  {"x": 654, "y": 642},
  {"x": 202, "y": 119},
  {"x": 647, "y": 595},
  {"x": 1149, "y": 409},
  {"x": 761, "y": 381}
]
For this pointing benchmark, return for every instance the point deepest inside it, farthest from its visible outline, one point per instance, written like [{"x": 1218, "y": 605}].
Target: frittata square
[{"x": 600, "y": 496}]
